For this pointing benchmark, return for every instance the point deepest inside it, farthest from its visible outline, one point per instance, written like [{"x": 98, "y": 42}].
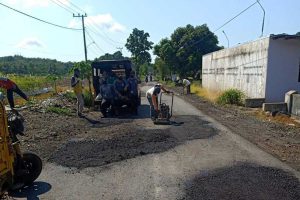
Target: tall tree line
[{"x": 33, "y": 66}]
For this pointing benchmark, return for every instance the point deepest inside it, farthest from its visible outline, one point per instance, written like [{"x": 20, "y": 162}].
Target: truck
[{"x": 108, "y": 70}]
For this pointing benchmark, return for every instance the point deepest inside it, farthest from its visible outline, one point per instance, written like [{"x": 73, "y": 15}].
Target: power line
[
  {"x": 89, "y": 35},
  {"x": 66, "y": 5},
  {"x": 99, "y": 48},
  {"x": 62, "y": 6},
  {"x": 105, "y": 33},
  {"x": 92, "y": 27},
  {"x": 100, "y": 35},
  {"x": 41, "y": 20},
  {"x": 76, "y": 6},
  {"x": 227, "y": 22},
  {"x": 235, "y": 16}
]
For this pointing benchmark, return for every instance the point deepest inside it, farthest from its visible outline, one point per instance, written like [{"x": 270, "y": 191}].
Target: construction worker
[
  {"x": 76, "y": 84},
  {"x": 132, "y": 90},
  {"x": 187, "y": 84},
  {"x": 119, "y": 87},
  {"x": 152, "y": 96},
  {"x": 108, "y": 93},
  {"x": 11, "y": 87}
]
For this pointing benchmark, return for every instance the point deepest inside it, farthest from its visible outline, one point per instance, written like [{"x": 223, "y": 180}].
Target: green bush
[
  {"x": 231, "y": 96},
  {"x": 88, "y": 98},
  {"x": 59, "y": 110},
  {"x": 70, "y": 96}
]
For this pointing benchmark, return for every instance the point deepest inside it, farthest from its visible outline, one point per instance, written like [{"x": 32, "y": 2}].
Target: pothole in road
[{"x": 99, "y": 152}]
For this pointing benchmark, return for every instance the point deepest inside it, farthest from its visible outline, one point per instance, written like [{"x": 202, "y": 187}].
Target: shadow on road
[
  {"x": 90, "y": 120},
  {"x": 32, "y": 192},
  {"x": 136, "y": 142},
  {"x": 124, "y": 117},
  {"x": 244, "y": 181}
]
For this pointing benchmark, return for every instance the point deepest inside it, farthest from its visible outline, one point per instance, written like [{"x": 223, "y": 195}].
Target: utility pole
[
  {"x": 226, "y": 39},
  {"x": 120, "y": 49},
  {"x": 83, "y": 30},
  {"x": 263, "y": 22}
]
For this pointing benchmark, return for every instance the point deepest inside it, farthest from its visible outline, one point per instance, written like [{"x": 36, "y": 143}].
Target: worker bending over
[
  {"x": 152, "y": 96},
  {"x": 11, "y": 87}
]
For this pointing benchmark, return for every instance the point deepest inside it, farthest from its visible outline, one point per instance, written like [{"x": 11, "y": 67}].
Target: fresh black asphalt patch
[
  {"x": 244, "y": 181},
  {"x": 138, "y": 142}
]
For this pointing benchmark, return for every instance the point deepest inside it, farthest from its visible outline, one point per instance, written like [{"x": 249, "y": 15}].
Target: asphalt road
[{"x": 206, "y": 161}]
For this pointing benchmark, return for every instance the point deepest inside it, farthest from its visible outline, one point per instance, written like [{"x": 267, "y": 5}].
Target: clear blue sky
[{"x": 113, "y": 20}]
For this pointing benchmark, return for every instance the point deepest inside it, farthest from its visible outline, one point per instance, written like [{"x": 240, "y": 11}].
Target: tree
[
  {"x": 115, "y": 56},
  {"x": 161, "y": 68},
  {"x": 298, "y": 33},
  {"x": 139, "y": 46},
  {"x": 53, "y": 79},
  {"x": 144, "y": 69},
  {"x": 184, "y": 50}
]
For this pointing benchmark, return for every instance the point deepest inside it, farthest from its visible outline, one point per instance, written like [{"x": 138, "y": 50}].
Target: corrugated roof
[{"x": 284, "y": 36}]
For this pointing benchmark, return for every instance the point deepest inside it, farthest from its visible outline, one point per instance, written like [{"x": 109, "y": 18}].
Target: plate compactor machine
[{"x": 165, "y": 111}]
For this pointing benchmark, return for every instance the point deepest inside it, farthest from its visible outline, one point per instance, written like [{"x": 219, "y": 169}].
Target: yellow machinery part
[{"x": 6, "y": 156}]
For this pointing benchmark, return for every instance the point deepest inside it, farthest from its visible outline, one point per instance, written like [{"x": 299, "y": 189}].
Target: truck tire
[{"x": 34, "y": 166}]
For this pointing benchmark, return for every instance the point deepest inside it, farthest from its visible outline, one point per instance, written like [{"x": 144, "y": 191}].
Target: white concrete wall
[
  {"x": 242, "y": 67},
  {"x": 283, "y": 68}
]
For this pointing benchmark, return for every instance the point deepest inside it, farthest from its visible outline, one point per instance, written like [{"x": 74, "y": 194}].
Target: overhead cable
[{"x": 41, "y": 20}]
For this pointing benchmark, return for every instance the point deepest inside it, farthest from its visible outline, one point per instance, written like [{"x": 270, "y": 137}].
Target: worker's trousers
[
  {"x": 80, "y": 103},
  {"x": 153, "y": 113}
]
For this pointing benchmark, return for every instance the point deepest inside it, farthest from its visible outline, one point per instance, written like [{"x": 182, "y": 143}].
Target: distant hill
[{"x": 34, "y": 66}]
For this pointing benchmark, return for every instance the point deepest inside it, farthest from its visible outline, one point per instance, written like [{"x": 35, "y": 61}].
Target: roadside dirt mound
[{"x": 245, "y": 181}]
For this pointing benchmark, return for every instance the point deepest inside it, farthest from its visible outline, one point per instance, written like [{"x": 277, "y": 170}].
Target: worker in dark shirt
[
  {"x": 11, "y": 87},
  {"x": 132, "y": 90},
  {"x": 107, "y": 92},
  {"x": 121, "y": 97}
]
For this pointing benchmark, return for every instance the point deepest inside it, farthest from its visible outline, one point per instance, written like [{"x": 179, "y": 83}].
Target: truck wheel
[{"x": 33, "y": 164}]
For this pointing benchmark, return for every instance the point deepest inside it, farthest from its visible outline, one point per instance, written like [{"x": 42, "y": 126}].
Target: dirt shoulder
[{"x": 278, "y": 139}]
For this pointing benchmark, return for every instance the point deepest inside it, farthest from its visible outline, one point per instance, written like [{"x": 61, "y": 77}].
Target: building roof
[{"x": 284, "y": 36}]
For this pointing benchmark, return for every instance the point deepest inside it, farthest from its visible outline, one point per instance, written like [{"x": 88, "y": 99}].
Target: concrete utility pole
[
  {"x": 120, "y": 49},
  {"x": 83, "y": 30},
  {"x": 263, "y": 22},
  {"x": 226, "y": 38}
]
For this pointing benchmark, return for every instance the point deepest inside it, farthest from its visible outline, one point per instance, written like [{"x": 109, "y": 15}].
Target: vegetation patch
[
  {"x": 70, "y": 96},
  {"x": 88, "y": 98},
  {"x": 59, "y": 110},
  {"x": 202, "y": 92},
  {"x": 231, "y": 96}
]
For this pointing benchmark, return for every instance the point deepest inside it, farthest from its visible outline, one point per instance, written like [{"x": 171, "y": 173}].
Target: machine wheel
[{"x": 33, "y": 164}]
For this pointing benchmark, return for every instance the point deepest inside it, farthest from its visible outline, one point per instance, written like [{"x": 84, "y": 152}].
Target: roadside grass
[
  {"x": 59, "y": 110},
  {"x": 231, "y": 96},
  {"x": 202, "y": 92},
  {"x": 30, "y": 83},
  {"x": 168, "y": 83},
  {"x": 88, "y": 99},
  {"x": 70, "y": 95},
  {"x": 282, "y": 119}
]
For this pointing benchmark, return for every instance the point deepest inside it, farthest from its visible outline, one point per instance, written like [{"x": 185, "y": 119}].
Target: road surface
[{"x": 200, "y": 159}]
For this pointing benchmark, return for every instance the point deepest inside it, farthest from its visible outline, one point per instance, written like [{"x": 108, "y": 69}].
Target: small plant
[
  {"x": 59, "y": 110},
  {"x": 231, "y": 96},
  {"x": 70, "y": 95},
  {"x": 88, "y": 98}
]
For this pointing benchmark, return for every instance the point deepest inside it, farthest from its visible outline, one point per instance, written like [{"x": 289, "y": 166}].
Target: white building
[{"x": 265, "y": 68}]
